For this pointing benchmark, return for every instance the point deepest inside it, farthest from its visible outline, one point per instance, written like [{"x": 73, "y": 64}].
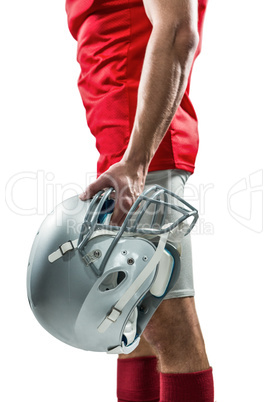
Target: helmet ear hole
[{"x": 112, "y": 281}]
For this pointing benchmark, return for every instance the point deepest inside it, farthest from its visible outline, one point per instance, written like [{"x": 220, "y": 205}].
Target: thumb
[{"x": 94, "y": 187}]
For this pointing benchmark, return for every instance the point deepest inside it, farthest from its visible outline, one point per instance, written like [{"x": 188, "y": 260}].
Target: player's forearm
[{"x": 164, "y": 78}]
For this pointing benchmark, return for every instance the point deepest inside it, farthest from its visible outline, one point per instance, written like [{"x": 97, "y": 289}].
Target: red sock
[
  {"x": 138, "y": 380},
  {"x": 188, "y": 387}
]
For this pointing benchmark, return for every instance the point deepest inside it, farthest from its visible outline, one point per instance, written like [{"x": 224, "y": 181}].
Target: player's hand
[{"x": 128, "y": 182}]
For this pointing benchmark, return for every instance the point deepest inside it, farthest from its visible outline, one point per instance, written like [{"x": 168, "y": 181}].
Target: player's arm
[
  {"x": 167, "y": 62},
  {"x": 165, "y": 72}
]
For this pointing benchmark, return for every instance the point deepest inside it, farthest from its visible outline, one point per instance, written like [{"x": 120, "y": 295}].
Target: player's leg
[
  {"x": 181, "y": 371},
  {"x": 174, "y": 332}
]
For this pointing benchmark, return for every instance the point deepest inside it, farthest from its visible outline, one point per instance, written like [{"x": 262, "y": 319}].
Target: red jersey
[{"x": 112, "y": 36}]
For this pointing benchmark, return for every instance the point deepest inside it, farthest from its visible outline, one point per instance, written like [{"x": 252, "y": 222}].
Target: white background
[{"x": 47, "y": 151}]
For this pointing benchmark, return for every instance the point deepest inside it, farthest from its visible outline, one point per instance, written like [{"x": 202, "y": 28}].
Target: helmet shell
[
  {"x": 81, "y": 277},
  {"x": 68, "y": 299}
]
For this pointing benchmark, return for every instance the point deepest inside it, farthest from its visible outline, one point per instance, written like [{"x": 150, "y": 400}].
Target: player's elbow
[
  {"x": 186, "y": 39},
  {"x": 180, "y": 37}
]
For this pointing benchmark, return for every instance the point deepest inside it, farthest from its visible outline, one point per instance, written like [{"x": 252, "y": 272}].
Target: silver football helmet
[{"x": 95, "y": 286}]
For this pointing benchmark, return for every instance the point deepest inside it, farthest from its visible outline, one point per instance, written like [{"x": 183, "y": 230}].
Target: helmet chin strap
[{"x": 130, "y": 330}]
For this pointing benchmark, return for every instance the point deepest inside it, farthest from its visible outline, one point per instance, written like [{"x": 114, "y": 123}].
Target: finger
[
  {"x": 117, "y": 219},
  {"x": 121, "y": 208},
  {"x": 94, "y": 187}
]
